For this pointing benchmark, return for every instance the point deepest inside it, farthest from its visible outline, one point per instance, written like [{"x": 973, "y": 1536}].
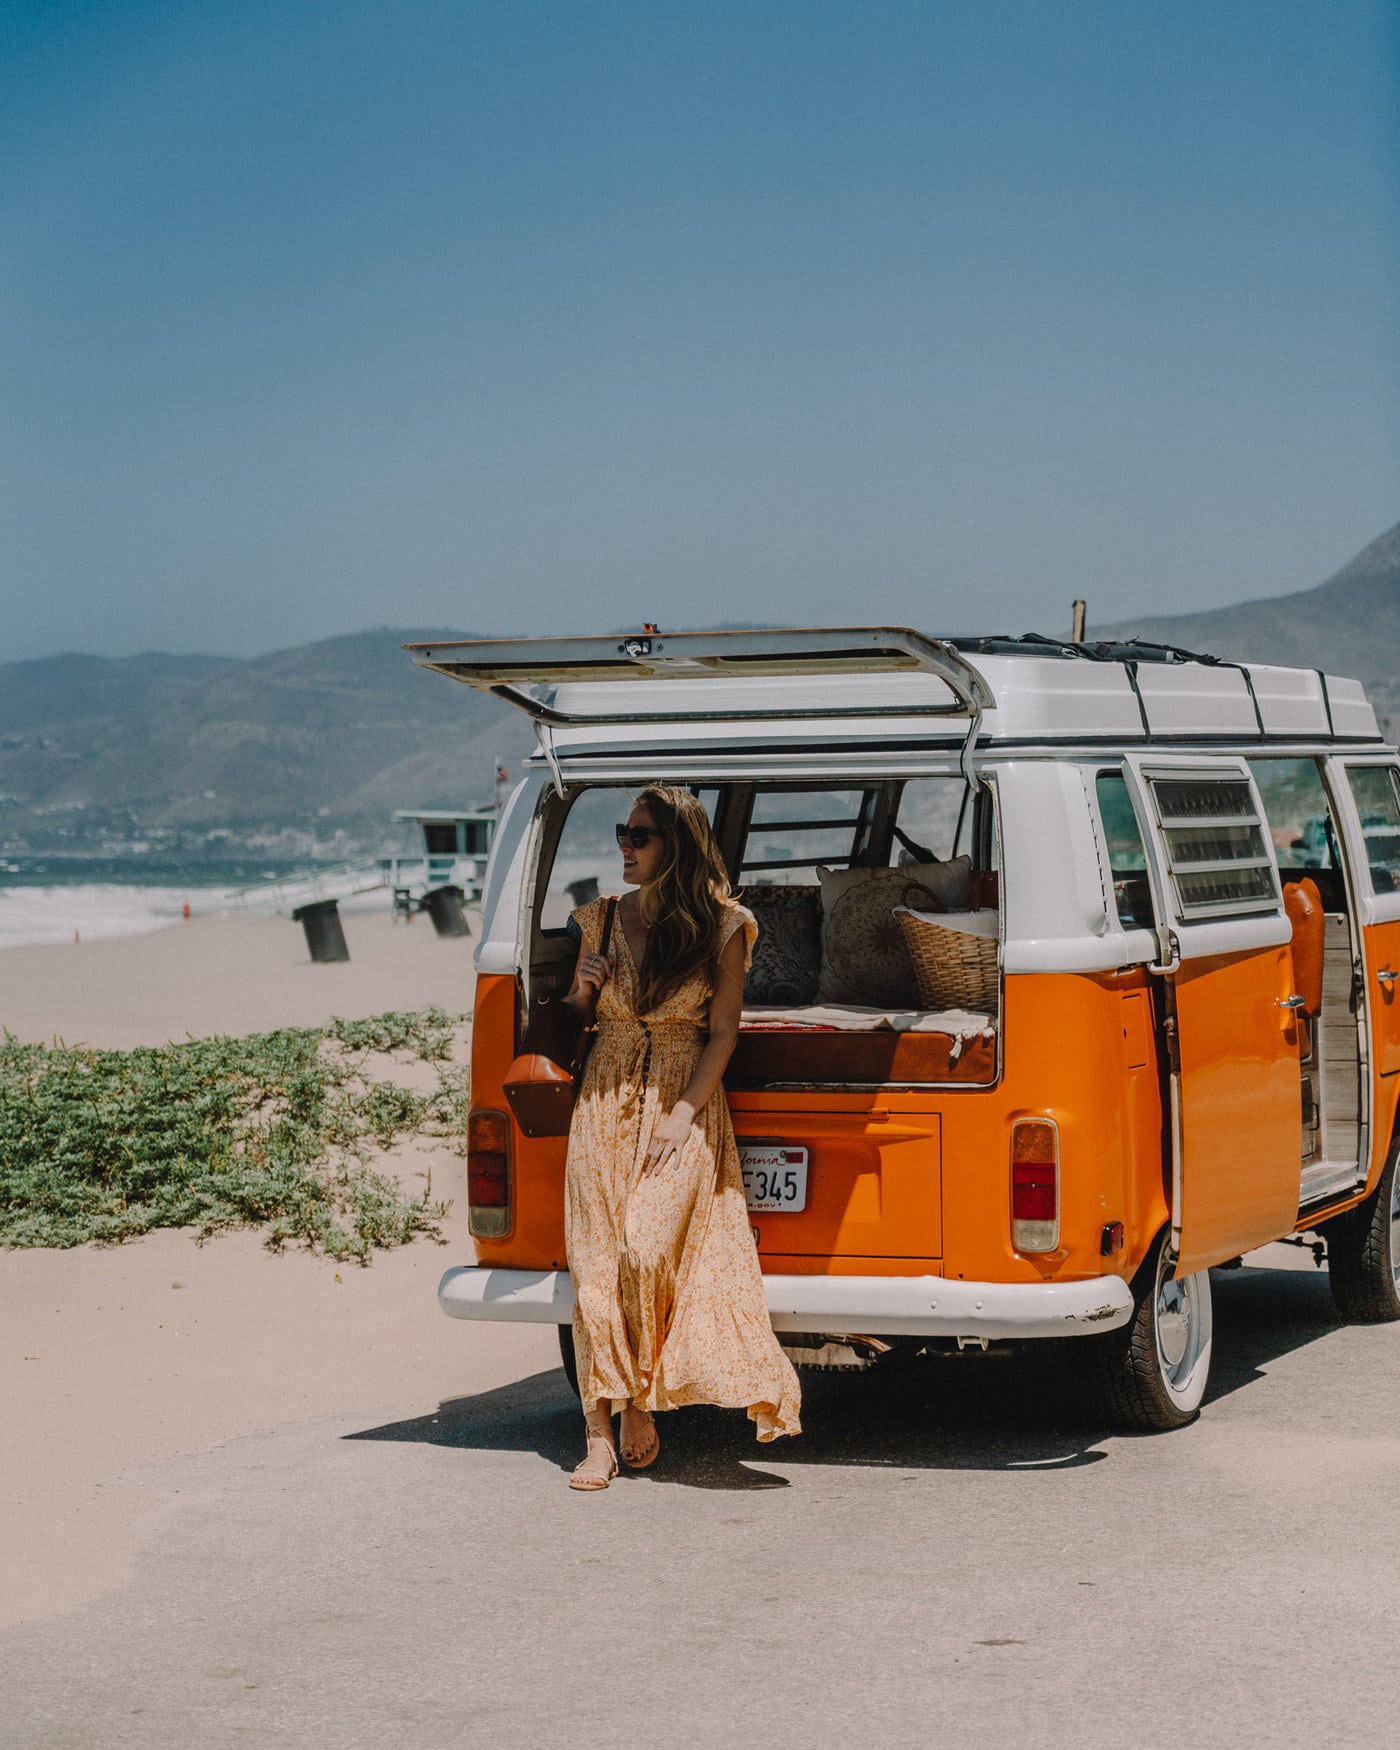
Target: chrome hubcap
[
  {"x": 1183, "y": 1332},
  {"x": 1173, "y": 1323}
]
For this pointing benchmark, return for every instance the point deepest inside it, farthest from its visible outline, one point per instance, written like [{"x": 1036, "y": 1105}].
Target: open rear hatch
[
  {"x": 709, "y": 699},
  {"x": 557, "y": 680}
]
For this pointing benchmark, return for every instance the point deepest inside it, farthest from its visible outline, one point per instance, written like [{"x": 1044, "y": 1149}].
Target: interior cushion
[
  {"x": 864, "y": 958},
  {"x": 787, "y": 955}
]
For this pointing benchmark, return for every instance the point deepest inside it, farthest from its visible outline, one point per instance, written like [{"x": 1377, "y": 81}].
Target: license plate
[{"x": 775, "y": 1176}]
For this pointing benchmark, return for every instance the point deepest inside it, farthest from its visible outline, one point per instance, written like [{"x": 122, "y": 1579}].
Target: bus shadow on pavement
[
  {"x": 992, "y": 1413},
  {"x": 995, "y": 1412},
  {"x": 1261, "y": 1315}
]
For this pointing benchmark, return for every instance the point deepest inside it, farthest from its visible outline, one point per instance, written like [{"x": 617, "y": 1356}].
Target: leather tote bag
[{"x": 543, "y": 1082}]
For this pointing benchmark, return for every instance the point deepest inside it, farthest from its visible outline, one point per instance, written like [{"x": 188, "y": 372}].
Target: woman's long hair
[{"x": 684, "y": 906}]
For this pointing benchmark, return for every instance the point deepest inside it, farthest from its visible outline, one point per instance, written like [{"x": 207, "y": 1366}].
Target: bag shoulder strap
[
  {"x": 590, "y": 1025},
  {"x": 608, "y": 916}
]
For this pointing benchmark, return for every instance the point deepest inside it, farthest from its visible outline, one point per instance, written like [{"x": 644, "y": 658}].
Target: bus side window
[
  {"x": 1132, "y": 892},
  {"x": 1373, "y": 788},
  {"x": 1302, "y": 830},
  {"x": 1299, "y": 813}
]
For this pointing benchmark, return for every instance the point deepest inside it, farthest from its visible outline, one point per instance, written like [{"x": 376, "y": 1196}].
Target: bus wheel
[
  {"x": 1152, "y": 1374},
  {"x": 1363, "y": 1252},
  {"x": 567, "y": 1359}
]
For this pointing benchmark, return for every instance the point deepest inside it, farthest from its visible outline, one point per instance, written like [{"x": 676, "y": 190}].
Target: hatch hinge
[
  {"x": 973, "y": 777},
  {"x": 544, "y": 735}
]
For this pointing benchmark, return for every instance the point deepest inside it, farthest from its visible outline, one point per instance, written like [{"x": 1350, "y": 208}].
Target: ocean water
[
  {"x": 49, "y": 899},
  {"x": 30, "y": 915}
]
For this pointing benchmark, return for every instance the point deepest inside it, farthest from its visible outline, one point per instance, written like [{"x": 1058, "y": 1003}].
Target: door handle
[
  {"x": 1386, "y": 976},
  {"x": 1290, "y": 1008}
]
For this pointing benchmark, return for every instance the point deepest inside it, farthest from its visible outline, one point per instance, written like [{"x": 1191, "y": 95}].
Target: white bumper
[{"x": 873, "y": 1306}]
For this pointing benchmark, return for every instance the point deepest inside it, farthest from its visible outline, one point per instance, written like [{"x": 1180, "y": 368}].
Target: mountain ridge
[
  {"x": 314, "y": 746},
  {"x": 101, "y": 751}
]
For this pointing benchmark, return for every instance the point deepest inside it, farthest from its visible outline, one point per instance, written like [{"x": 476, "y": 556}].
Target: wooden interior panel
[{"x": 823, "y": 1056}]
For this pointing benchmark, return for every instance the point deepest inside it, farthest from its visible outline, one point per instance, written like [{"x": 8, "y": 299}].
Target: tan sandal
[
  {"x": 637, "y": 1456},
  {"x": 599, "y": 1467}
]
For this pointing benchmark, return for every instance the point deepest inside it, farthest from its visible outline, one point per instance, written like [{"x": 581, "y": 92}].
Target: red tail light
[
  {"x": 1035, "y": 1185},
  {"x": 488, "y": 1174},
  {"x": 486, "y": 1181}
]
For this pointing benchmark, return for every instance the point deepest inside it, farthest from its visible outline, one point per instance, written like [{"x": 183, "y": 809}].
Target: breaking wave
[{"x": 30, "y": 916}]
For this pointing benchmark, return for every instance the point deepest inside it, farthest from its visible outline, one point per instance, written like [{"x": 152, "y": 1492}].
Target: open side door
[
  {"x": 1226, "y": 978},
  {"x": 553, "y": 678}
]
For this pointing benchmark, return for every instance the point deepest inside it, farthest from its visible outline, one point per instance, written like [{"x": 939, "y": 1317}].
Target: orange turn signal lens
[
  {"x": 487, "y": 1132},
  {"x": 1035, "y": 1140}
]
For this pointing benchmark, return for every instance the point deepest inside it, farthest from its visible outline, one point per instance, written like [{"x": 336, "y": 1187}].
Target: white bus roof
[{"x": 809, "y": 690}]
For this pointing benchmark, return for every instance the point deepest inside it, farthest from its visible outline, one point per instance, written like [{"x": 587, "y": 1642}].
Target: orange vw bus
[{"x": 1076, "y": 976}]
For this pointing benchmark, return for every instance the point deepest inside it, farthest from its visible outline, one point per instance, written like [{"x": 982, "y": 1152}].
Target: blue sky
[{"x": 555, "y": 316}]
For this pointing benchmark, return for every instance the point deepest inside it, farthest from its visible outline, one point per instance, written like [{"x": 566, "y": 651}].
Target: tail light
[
  {"x": 1035, "y": 1185},
  {"x": 488, "y": 1174}
]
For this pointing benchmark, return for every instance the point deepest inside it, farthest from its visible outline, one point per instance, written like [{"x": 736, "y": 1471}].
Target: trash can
[
  {"x": 324, "y": 936},
  {"x": 444, "y": 906}
]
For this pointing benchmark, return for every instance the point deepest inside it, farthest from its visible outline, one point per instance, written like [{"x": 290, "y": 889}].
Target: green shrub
[{"x": 272, "y": 1131}]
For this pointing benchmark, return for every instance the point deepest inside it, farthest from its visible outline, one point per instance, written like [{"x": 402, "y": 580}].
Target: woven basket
[{"x": 956, "y": 967}]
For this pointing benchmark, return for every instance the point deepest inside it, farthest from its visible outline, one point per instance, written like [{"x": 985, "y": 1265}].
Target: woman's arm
[{"x": 726, "y": 1006}]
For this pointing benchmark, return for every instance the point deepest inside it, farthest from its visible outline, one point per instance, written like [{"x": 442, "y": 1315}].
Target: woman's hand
[
  {"x": 593, "y": 972},
  {"x": 668, "y": 1138}
]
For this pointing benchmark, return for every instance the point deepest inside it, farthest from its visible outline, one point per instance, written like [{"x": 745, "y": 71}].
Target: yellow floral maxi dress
[{"x": 670, "y": 1308}]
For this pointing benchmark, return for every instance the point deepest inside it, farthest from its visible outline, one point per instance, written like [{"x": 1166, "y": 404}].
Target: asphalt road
[{"x": 947, "y": 1556}]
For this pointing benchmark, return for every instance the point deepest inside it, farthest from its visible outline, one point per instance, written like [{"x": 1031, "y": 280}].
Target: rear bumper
[{"x": 873, "y": 1306}]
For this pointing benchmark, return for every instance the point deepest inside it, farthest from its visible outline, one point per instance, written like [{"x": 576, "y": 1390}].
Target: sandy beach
[
  {"x": 113, "y": 1360},
  {"x": 226, "y": 975}
]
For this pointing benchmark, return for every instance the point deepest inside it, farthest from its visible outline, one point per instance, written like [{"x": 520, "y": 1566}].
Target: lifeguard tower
[
  {"x": 456, "y": 844},
  {"x": 440, "y": 881},
  {"x": 452, "y": 833}
]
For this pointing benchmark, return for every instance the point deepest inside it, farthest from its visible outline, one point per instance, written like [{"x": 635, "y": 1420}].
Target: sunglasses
[{"x": 639, "y": 837}]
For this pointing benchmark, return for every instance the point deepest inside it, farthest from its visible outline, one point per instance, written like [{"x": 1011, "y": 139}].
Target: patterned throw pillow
[
  {"x": 787, "y": 956},
  {"x": 864, "y": 957}
]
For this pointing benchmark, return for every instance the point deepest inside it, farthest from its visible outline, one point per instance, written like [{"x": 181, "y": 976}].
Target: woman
[{"x": 670, "y": 1306}]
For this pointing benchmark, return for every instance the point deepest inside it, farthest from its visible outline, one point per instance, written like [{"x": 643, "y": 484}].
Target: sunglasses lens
[{"x": 636, "y": 836}]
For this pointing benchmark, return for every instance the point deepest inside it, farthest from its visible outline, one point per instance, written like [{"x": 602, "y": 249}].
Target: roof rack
[{"x": 1103, "y": 650}]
